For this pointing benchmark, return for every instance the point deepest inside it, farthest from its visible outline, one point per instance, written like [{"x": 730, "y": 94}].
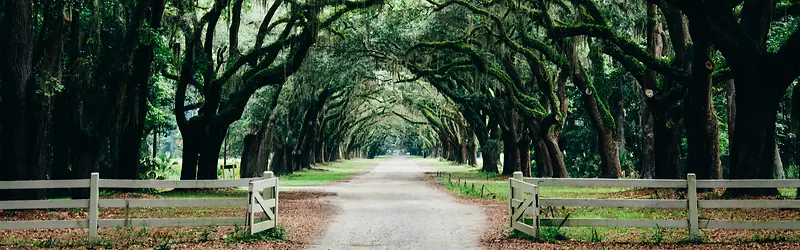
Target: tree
[{"x": 226, "y": 93}]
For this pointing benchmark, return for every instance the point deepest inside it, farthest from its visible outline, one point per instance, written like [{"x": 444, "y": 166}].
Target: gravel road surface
[{"x": 392, "y": 207}]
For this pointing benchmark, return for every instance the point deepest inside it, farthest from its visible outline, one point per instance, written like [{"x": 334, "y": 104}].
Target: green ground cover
[
  {"x": 322, "y": 174},
  {"x": 469, "y": 181}
]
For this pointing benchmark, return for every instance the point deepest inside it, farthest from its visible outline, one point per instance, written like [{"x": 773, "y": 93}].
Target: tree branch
[{"x": 636, "y": 51}]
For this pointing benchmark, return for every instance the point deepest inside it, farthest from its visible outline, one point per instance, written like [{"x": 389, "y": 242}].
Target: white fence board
[
  {"x": 748, "y": 203},
  {"x": 748, "y": 183},
  {"x": 588, "y": 202},
  {"x": 614, "y": 223},
  {"x": 774, "y": 225},
  {"x": 263, "y": 225},
  {"x": 600, "y": 182},
  {"x": 525, "y": 228},
  {"x": 262, "y": 184},
  {"x": 43, "y": 204},
  {"x": 112, "y": 183},
  {"x": 691, "y": 203},
  {"x": 173, "y": 222},
  {"x": 44, "y": 224},
  {"x": 44, "y": 184},
  {"x": 94, "y": 202},
  {"x": 153, "y": 203}
]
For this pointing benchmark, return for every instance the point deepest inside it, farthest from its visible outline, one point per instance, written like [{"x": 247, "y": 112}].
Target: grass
[
  {"x": 495, "y": 186},
  {"x": 460, "y": 179},
  {"x": 242, "y": 235},
  {"x": 323, "y": 174}
]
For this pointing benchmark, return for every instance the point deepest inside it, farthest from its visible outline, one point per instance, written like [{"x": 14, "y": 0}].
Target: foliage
[
  {"x": 242, "y": 235},
  {"x": 157, "y": 168},
  {"x": 551, "y": 234}
]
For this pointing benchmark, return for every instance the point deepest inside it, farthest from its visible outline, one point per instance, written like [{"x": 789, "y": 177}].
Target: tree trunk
[
  {"x": 667, "y": 151},
  {"x": 17, "y": 59},
  {"x": 778, "y": 164},
  {"x": 556, "y": 157},
  {"x": 155, "y": 144},
  {"x": 666, "y": 118},
  {"x": 249, "y": 161},
  {"x": 41, "y": 94},
  {"x": 647, "y": 165},
  {"x": 618, "y": 112},
  {"x": 599, "y": 116},
  {"x": 472, "y": 159},
  {"x": 192, "y": 144},
  {"x": 510, "y": 153},
  {"x": 753, "y": 150},
  {"x": 544, "y": 166},
  {"x": 319, "y": 149},
  {"x": 209, "y": 158},
  {"x": 524, "y": 148},
  {"x": 490, "y": 148},
  {"x": 731, "y": 98},
  {"x": 702, "y": 133},
  {"x": 609, "y": 156},
  {"x": 84, "y": 162},
  {"x": 279, "y": 166}
]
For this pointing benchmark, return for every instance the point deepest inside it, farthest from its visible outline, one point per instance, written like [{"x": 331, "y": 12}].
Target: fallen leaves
[
  {"x": 496, "y": 234},
  {"x": 304, "y": 215}
]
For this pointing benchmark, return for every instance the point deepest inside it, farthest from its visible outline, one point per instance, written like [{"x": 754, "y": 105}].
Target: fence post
[
  {"x": 535, "y": 210},
  {"x": 510, "y": 203},
  {"x": 273, "y": 194},
  {"x": 517, "y": 191},
  {"x": 691, "y": 197},
  {"x": 513, "y": 193},
  {"x": 251, "y": 220},
  {"x": 94, "y": 196}
]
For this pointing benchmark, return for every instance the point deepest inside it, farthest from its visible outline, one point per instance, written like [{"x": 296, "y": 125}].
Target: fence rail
[
  {"x": 691, "y": 203},
  {"x": 267, "y": 184}
]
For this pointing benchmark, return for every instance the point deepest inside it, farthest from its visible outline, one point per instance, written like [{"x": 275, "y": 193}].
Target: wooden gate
[
  {"x": 263, "y": 204},
  {"x": 523, "y": 201}
]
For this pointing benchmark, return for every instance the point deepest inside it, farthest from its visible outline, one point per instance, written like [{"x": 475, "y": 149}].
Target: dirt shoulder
[
  {"x": 496, "y": 235},
  {"x": 303, "y": 214}
]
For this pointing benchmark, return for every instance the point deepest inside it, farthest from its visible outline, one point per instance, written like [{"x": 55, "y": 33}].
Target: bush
[{"x": 158, "y": 168}]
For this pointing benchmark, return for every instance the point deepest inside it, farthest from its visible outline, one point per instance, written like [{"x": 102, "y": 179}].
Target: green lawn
[
  {"x": 469, "y": 181},
  {"x": 495, "y": 186},
  {"x": 322, "y": 174}
]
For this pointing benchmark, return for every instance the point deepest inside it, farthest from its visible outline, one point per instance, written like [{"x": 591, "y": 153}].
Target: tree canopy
[{"x": 552, "y": 88}]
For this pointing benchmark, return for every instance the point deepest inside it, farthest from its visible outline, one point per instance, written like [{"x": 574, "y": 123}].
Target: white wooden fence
[
  {"x": 267, "y": 203},
  {"x": 521, "y": 189}
]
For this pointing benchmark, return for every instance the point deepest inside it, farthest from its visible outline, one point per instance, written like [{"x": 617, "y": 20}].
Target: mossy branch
[{"x": 628, "y": 47}]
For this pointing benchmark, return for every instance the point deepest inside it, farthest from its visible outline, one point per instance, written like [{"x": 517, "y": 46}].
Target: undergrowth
[{"x": 241, "y": 235}]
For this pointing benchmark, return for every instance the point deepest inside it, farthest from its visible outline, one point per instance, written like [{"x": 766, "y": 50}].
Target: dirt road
[{"x": 392, "y": 207}]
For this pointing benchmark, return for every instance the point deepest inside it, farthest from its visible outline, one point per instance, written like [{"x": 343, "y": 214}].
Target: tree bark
[
  {"x": 17, "y": 59},
  {"x": 544, "y": 167},
  {"x": 600, "y": 118},
  {"x": 731, "y": 98},
  {"x": 249, "y": 161},
  {"x": 48, "y": 61},
  {"x": 778, "y": 164},
  {"x": 702, "y": 133},
  {"x": 667, "y": 148},
  {"x": 524, "y": 148},
  {"x": 647, "y": 165},
  {"x": 510, "y": 153},
  {"x": 556, "y": 157},
  {"x": 192, "y": 144},
  {"x": 490, "y": 150}
]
